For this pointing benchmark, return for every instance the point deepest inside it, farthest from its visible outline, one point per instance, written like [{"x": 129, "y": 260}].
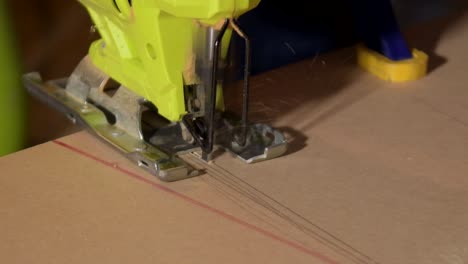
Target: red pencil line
[{"x": 199, "y": 204}]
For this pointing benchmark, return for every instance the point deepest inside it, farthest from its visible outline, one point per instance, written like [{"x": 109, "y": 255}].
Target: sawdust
[{"x": 189, "y": 75}]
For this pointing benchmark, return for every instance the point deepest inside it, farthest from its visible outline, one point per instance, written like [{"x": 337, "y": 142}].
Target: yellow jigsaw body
[
  {"x": 168, "y": 60},
  {"x": 147, "y": 45}
]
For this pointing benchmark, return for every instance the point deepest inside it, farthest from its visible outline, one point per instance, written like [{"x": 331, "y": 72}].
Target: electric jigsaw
[{"x": 152, "y": 85}]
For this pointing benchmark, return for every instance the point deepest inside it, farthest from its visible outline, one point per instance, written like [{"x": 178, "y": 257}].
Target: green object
[
  {"x": 12, "y": 95},
  {"x": 147, "y": 45}
]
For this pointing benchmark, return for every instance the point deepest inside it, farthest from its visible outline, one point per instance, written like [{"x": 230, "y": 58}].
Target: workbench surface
[{"x": 376, "y": 173}]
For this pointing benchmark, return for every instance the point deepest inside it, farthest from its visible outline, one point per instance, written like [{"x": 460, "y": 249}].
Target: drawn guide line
[{"x": 202, "y": 205}]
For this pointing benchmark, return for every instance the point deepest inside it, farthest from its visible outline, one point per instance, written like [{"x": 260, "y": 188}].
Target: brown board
[{"x": 376, "y": 173}]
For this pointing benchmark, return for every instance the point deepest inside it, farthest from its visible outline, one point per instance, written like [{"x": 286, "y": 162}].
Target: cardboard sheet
[{"x": 376, "y": 173}]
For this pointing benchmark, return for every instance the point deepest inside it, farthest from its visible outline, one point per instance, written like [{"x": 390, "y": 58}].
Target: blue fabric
[
  {"x": 379, "y": 29},
  {"x": 285, "y": 32}
]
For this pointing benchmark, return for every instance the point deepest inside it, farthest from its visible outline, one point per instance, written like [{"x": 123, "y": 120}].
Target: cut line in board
[{"x": 192, "y": 201}]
